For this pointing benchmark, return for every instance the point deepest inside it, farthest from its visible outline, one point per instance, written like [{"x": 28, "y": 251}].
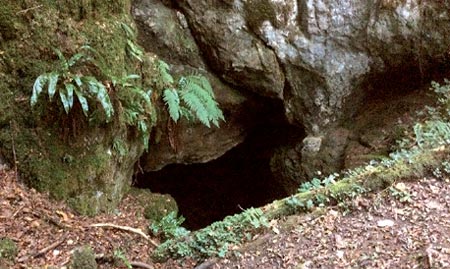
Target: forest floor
[{"x": 406, "y": 226}]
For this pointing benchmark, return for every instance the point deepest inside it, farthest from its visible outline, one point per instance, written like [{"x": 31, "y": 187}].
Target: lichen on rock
[{"x": 156, "y": 205}]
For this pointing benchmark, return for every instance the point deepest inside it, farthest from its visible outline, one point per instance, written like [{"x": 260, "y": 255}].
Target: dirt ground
[
  {"x": 405, "y": 227},
  {"x": 379, "y": 231}
]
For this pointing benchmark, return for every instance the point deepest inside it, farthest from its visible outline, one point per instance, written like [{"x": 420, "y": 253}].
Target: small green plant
[
  {"x": 133, "y": 50},
  {"x": 70, "y": 83},
  {"x": 442, "y": 171},
  {"x": 316, "y": 183},
  {"x": 216, "y": 239},
  {"x": 400, "y": 193},
  {"x": 120, "y": 147},
  {"x": 192, "y": 97},
  {"x": 169, "y": 226},
  {"x": 138, "y": 110},
  {"x": 120, "y": 256}
]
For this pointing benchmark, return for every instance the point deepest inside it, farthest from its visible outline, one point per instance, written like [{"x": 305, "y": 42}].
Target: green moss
[
  {"x": 83, "y": 258},
  {"x": 65, "y": 155},
  {"x": 414, "y": 164},
  {"x": 8, "y": 250},
  {"x": 156, "y": 205}
]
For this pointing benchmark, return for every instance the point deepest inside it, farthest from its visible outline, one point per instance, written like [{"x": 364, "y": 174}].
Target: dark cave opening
[{"x": 239, "y": 179}]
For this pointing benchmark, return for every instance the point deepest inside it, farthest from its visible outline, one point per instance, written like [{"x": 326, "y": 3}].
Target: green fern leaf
[
  {"x": 203, "y": 82},
  {"x": 98, "y": 90},
  {"x": 52, "y": 81},
  {"x": 203, "y": 105},
  {"x": 134, "y": 50},
  {"x": 37, "y": 88},
  {"x": 66, "y": 96},
  {"x": 141, "y": 94},
  {"x": 163, "y": 69},
  {"x": 83, "y": 101},
  {"x": 127, "y": 29},
  {"x": 171, "y": 99},
  {"x": 68, "y": 104},
  {"x": 78, "y": 81},
  {"x": 131, "y": 116},
  {"x": 132, "y": 76},
  {"x": 185, "y": 112},
  {"x": 195, "y": 104},
  {"x": 74, "y": 59},
  {"x": 143, "y": 129},
  {"x": 62, "y": 60}
]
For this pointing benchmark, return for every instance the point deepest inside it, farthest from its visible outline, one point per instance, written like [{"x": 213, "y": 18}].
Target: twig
[
  {"x": 128, "y": 229},
  {"x": 28, "y": 9},
  {"x": 42, "y": 251},
  {"x": 17, "y": 211},
  {"x": 141, "y": 264}
]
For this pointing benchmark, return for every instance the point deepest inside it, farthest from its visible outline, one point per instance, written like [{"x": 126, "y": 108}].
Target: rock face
[
  {"x": 165, "y": 32},
  {"x": 83, "y": 161},
  {"x": 319, "y": 57}
]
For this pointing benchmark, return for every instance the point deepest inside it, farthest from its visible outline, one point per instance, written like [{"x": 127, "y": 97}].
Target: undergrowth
[
  {"x": 75, "y": 80},
  {"x": 422, "y": 150},
  {"x": 214, "y": 240}
]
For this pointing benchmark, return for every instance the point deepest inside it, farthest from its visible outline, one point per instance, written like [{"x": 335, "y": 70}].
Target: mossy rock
[
  {"x": 156, "y": 205},
  {"x": 83, "y": 258},
  {"x": 67, "y": 155},
  {"x": 8, "y": 251}
]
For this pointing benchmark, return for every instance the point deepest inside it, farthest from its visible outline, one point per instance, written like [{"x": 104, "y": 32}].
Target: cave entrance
[{"x": 239, "y": 179}]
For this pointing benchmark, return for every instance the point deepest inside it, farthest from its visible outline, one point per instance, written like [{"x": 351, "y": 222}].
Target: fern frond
[
  {"x": 134, "y": 50},
  {"x": 83, "y": 101},
  {"x": 203, "y": 82},
  {"x": 172, "y": 100},
  {"x": 78, "y": 81},
  {"x": 197, "y": 93},
  {"x": 52, "y": 81},
  {"x": 66, "y": 96},
  {"x": 74, "y": 59},
  {"x": 163, "y": 69},
  {"x": 185, "y": 112},
  {"x": 142, "y": 95},
  {"x": 98, "y": 90},
  {"x": 37, "y": 88},
  {"x": 128, "y": 31},
  {"x": 195, "y": 104},
  {"x": 143, "y": 129},
  {"x": 62, "y": 60}
]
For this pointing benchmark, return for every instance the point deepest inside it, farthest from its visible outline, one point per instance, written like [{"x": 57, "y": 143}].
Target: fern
[
  {"x": 166, "y": 77},
  {"x": 66, "y": 96},
  {"x": 132, "y": 49},
  {"x": 197, "y": 93},
  {"x": 138, "y": 109},
  {"x": 171, "y": 99},
  {"x": 192, "y": 99},
  {"x": 84, "y": 87}
]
